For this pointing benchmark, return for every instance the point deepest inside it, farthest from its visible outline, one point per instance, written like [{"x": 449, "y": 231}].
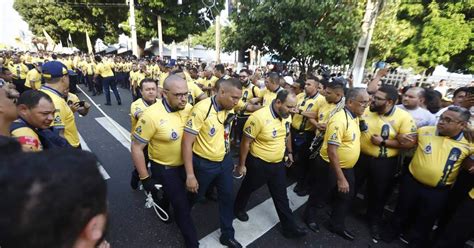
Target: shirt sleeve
[
  {"x": 335, "y": 132},
  {"x": 252, "y": 127},
  {"x": 59, "y": 117},
  {"x": 135, "y": 110},
  {"x": 145, "y": 129},
  {"x": 28, "y": 139},
  {"x": 408, "y": 125},
  {"x": 196, "y": 90},
  {"x": 195, "y": 121}
]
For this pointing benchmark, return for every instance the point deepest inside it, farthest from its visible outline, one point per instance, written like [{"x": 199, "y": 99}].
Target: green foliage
[
  {"x": 60, "y": 19},
  {"x": 326, "y": 32},
  {"x": 426, "y": 34},
  {"x": 208, "y": 38}
]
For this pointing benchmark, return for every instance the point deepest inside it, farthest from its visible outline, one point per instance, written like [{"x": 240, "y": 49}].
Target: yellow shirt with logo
[
  {"x": 389, "y": 125},
  {"x": 268, "y": 96},
  {"x": 33, "y": 78},
  {"x": 136, "y": 109},
  {"x": 18, "y": 71},
  {"x": 249, "y": 91},
  {"x": 162, "y": 130},
  {"x": 194, "y": 92},
  {"x": 437, "y": 159},
  {"x": 207, "y": 123},
  {"x": 104, "y": 70},
  {"x": 269, "y": 134},
  {"x": 306, "y": 104},
  {"x": 343, "y": 131},
  {"x": 63, "y": 116},
  {"x": 28, "y": 139}
]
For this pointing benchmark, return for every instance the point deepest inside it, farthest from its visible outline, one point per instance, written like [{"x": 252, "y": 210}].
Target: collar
[
  {"x": 458, "y": 137},
  {"x": 45, "y": 87},
  {"x": 167, "y": 106},
  {"x": 273, "y": 111},
  {"x": 278, "y": 89},
  {"x": 214, "y": 103},
  {"x": 247, "y": 84},
  {"x": 312, "y": 97},
  {"x": 352, "y": 115},
  {"x": 391, "y": 111}
]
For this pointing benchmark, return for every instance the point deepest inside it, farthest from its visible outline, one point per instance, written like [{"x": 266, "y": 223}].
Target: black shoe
[
  {"x": 119, "y": 103},
  {"x": 108, "y": 104},
  {"x": 94, "y": 94},
  {"x": 295, "y": 233},
  {"x": 134, "y": 180},
  {"x": 343, "y": 233},
  {"x": 313, "y": 226},
  {"x": 230, "y": 242},
  {"x": 241, "y": 215},
  {"x": 375, "y": 232},
  {"x": 297, "y": 188},
  {"x": 302, "y": 192}
]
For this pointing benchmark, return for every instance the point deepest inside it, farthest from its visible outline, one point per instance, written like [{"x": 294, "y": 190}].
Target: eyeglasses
[
  {"x": 447, "y": 120},
  {"x": 179, "y": 95},
  {"x": 241, "y": 76}
]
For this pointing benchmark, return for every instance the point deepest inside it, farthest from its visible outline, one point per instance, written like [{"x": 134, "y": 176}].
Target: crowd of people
[{"x": 188, "y": 121}]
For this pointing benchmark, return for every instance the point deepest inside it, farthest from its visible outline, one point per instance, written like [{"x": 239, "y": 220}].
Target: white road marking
[
  {"x": 261, "y": 219},
  {"x": 85, "y": 147},
  {"x": 115, "y": 130}
]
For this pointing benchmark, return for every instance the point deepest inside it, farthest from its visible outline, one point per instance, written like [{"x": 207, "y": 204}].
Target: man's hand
[
  {"x": 241, "y": 170},
  {"x": 321, "y": 126},
  {"x": 406, "y": 138},
  {"x": 74, "y": 107},
  {"x": 376, "y": 139},
  {"x": 382, "y": 72},
  {"x": 342, "y": 185},
  {"x": 290, "y": 160},
  {"x": 149, "y": 184},
  {"x": 192, "y": 184}
]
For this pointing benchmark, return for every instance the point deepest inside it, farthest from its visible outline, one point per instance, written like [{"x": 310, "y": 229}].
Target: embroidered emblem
[
  {"x": 212, "y": 132},
  {"x": 174, "y": 135}
]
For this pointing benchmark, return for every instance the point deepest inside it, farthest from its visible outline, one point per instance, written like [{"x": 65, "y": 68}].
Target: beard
[{"x": 375, "y": 108}]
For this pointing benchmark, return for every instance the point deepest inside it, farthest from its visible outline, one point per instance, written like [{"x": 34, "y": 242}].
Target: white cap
[{"x": 288, "y": 80}]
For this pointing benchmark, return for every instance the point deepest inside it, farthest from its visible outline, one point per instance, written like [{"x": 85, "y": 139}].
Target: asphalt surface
[{"x": 133, "y": 225}]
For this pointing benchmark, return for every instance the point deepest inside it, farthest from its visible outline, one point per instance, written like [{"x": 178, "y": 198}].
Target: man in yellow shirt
[
  {"x": 162, "y": 125},
  {"x": 149, "y": 94},
  {"x": 195, "y": 93},
  {"x": 303, "y": 132},
  {"x": 35, "y": 111},
  {"x": 334, "y": 166},
  {"x": 381, "y": 126},
  {"x": 206, "y": 152},
  {"x": 19, "y": 70},
  {"x": 104, "y": 70},
  {"x": 267, "y": 95},
  {"x": 33, "y": 78},
  {"x": 425, "y": 188},
  {"x": 267, "y": 138},
  {"x": 56, "y": 79}
]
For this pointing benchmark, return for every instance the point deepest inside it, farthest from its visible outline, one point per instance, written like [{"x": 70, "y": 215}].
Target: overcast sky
[{"x": 11, "y": 23}]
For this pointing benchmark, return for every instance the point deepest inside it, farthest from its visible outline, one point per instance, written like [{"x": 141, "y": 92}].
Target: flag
[
  {"x": 69, "y": 41},
  {"x": 49, "y": 39},
  {"x": 89, "y": 44}
]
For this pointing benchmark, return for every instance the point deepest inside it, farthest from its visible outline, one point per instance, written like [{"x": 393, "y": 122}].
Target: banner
[
  {"x": 51, "y": 42},
  {"x": 89, "y": 44}
]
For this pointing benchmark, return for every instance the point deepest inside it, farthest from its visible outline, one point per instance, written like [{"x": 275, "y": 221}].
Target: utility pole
[
  {"x": 218, "y": 39},
  {"x": 360, "y": 57},
  {"x": 133, "y": 28},
  {"x": 160, "y": 37}
]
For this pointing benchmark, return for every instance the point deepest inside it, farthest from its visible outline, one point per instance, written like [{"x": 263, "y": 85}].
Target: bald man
[
  {"x": 411, "y": 102},
  {"x": 161, "y": 125}
]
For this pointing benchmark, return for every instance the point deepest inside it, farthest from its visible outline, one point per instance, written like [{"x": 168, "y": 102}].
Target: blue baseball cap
[{"x": 54, "y": 69}]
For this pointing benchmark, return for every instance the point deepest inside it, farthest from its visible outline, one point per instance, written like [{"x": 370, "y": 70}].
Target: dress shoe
[
  {"x": 134, "y": 180},
  {"x": 343, "y": 233},
  {"x": 302, "y": 192},
  {"x": 297, "y": 232},
  {"x": 313, "y": 226},
  {"x": 241, "y": 215},
  {"x": 230, "y": 242},
  {"x": 119, "y": 103}
]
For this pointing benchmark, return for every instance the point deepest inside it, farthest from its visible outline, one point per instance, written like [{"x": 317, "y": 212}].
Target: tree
[
  {"x": 425, "y": 34},
  {"x": 208, "y": 37},
  {"x": 326, "y": 32},
  {"x": 60, "y": 19}
]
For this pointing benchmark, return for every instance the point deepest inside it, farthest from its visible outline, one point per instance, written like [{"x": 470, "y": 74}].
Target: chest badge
[
  {"x": 174, "y": 135},
  {"x": 212, "y": 131},
  {"x": 428, "y": 149},
  {"x": 274, "y": 133}
]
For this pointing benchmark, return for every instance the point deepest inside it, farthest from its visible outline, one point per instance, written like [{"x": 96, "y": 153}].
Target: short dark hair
[
  {"x": 49, "y": 197},
  {"x": 220, "y": 68},
  {"x": 274, "y": 77},
  {"x": 463, "y": 112},
  {"x": 300, "y": 83},
  {"x": 246, "y": 71},
  {"x": 282, "y": 95},
  {"x": 459, "y": 90},
  {"x": 98, "y": 58},
  {"x": 233, "y": 82},
  {"x": 146, "y": 80},
  {"x": 193, "y": 69},
  {"x": 390, "y": 91},
  {"x": 31, "y": 98},
  {"x": 335, "y": 85}
]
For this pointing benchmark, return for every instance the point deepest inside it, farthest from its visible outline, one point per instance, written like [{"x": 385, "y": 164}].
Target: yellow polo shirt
[
  {"x": 437, "y": 159},
  {"x": 212, "y": 141},
  {"x": 162, "y": 77},
  {"x": 268, "y": 96},
  {"x": 63, "y": 116},
  {"x": 194, "y": 92},
  {"x": 33, "y": 78},
  {"x": 306, "y": 104},
  {"x": 249, "y": 91},
  {"x": 389, "y": 125},
  {"x": 162, "y": 130},
  {"x": 136, "y": 109},
  {"x": 269, "y": 134},
  {"x": 343, "y": 131},
  {"x": 104, "y": 70},
  {"x": 18, "y": 71}
]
